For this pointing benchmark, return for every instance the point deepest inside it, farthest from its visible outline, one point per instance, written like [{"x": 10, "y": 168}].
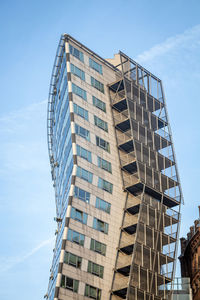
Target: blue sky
[{"x": 164, "y": 36}]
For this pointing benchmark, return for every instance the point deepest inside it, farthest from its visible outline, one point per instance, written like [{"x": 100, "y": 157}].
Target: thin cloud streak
[
  {"x": 170, "y": 44},
  {"x": 12, "y": 262}
]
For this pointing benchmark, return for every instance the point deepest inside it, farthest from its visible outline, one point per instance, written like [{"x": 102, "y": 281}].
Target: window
[
  {"x": 92, "y": 292},
  {"x": 77, "y": 53},
  {"x": 94, "y": 65},
  {"x": 81, "y": 194},
  {"x": 80, "y": 111},
  {"x": 84, "y": 174},
  {"x": 97, "y": 84},
  {"x": 104, "y": 164},
  {"x": 98, "y": 103},
  {"x": 77, "y": 72},
  {"x": 84, "y": 153},
  {"x": 78, "y": 215},
  {"x": 98, "y": 247},
  {"x": 105, "y": 185},
  {"x": 100, "y": 225},
  {"x": 69, "y": 283},
  {"x": 95, "y": 269},
  {"x": 102, "y": 144},
  {"x": 84, "y": 133},
  {"x": 102, "y": 205},
  {"x": 100, "y": 123},
  {"x": 72, "y": 260},
  {"x": 75, "y": 237},
  {"x": 79, "y": 91}
]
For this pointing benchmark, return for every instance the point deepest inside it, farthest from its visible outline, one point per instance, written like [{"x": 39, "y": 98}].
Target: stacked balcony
[{"x": 146, "y": 248}]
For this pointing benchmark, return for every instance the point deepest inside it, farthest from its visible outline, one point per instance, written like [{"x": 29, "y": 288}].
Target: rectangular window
[
  {"x": 75, "y": 237},
  {"x": 81, "y": 194},
  {"x": 77, "y": 72},
  {"x": 69, "y": 284},
  {"x": 97, "y": 84},
  {"x": 94, "y": 65},
  {"x": 98, "y": 247},
  {"x": 78, "y": 215},
  {"x": 102, "y": 144},
  {"x": 72, "y": 260},
  {"x": 103, "y": 205},
  {"x": 92, "y": 292},
  {"x": 105, "y": 185},
  {"x": 84, "y": 153},
  {"x": 95, "y": 269},
  {"x": 84, "y": 133},
  {"x": 104, "y": 164},
  {"x": 77, "y": 53},
  {"x": 98, "y": 103},
  {"x": 84, "y": 174},
  {"x": 80, "y": 111},
  {"x": 100, "y": 123},
  {"x": 79, "y": 91},
  {"x": 100, "y": 225}
]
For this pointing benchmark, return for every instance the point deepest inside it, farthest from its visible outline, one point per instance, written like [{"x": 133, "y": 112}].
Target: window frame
[
  {"x": 75, "y": 284},
  {"x": 100, "y": 123},
  {"x": 101, "y": 142},
  {"x": 102, "y": 162},
  {"x": 97, "y": 84},
  {"x": 94, "y": 246},
  {"x": 100, "y": 225},
  {"x": 77, "y": 72},
  {"x": 80, "y": 152},
  {"x": 105, "y": 185},
  {"x": 73, "y": 50},
  {"x": 78, "y": 259},
  {"x": 98, "y": 205},
  {"x": 95, "y": 66},
  {"x": 80, "y": 111},
  {"x": 78, "y": 130},
  {"x": 99, "y": 269},
  {"x": 74, "y": 215},
  {"x": 77, "y": 191},
  {"x": 99, "y": 103}
]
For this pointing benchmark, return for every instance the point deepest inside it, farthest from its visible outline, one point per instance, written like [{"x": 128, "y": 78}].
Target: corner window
[{"x": 69, "y": 284}]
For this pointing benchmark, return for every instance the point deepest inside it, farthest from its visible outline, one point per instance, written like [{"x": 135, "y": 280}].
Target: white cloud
[
  {"x": 192, "y": 34},
  {"x": 9, "y": 263}
]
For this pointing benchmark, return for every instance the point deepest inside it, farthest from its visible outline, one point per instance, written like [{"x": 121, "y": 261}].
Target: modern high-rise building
[{"x": 116, "y": 182}]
